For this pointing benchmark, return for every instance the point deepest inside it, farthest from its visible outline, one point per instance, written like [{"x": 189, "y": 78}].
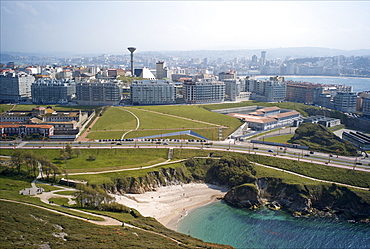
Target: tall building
[
  {"x": 159, "y": 69},
  {"x": 301, "y": 92},
  {"x": 263, "y": 58},
  {"x": 148, "y": 92},
  {"x": 345, "y": 101},
  {"x": 360, "y": 101},
  {"x": 48, "y": 91},
  {"x": 88, "y": 93},
  {"x": 232, "y": 89},
  {"x": 273, "y": 90},
  {"x": 206, "y": 91},
  {"x": 230, "y": 75},
  {"x": 15, "y": 87},
  {"x": 366, "y": 107}
]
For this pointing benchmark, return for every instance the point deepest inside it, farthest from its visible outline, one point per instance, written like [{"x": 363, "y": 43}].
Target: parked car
[{"x": 271, "y": 151}]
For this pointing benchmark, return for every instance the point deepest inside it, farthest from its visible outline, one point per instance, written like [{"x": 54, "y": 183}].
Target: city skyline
[{"x": 109, "y": 27}]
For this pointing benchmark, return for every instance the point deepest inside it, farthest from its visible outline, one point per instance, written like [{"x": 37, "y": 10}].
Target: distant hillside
[
  {"x": 299, "y": 52},
  {"x": 272, "y": 53},
  {"x": 319, "y": 138}
]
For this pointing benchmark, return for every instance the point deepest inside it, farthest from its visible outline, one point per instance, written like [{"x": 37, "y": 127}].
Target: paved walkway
[
  {"x": 119, "y": 170},
  {"x": 137, "y": 122},
  {"x": 83, "y": 136},
  {"x": 310, "y": 178},
  {"x": 174, "y": 116}
]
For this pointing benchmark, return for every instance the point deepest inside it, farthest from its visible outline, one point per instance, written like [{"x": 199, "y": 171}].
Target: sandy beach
[{"x": 170, "y": 204}]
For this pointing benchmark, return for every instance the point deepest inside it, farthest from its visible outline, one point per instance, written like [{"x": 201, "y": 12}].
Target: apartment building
[
  {"x": 51, "y": 91},
  {"x": 107, "y": 93},
  {"x": 205, "y": 91},
  {"x": 301, "y": 92},
  {"x": 152, "y": 92},
  {"x": 345, "y": 101},
  {"x": 15, "y": 87}
]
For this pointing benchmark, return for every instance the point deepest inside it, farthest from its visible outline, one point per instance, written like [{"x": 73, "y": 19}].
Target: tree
[
  {"x": 32, "y": 163},
  {"x": 69, "y": 151},
  {"x": 87, "y": 196},
  {"x": 17, "y": 160}
]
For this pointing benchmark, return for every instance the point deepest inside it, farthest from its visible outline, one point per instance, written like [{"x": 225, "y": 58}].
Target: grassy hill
[
  {"x": 319, "y": 138},
  {"x": 157, "y": 120}
]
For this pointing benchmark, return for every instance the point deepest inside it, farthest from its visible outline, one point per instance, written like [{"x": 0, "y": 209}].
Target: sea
[
  {"x": 265, "y": 228},
  {"x": 358, "y": 84}
]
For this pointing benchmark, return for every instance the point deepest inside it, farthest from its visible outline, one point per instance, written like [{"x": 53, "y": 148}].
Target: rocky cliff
[
  {"x": 301, "y": 200},
  {"x": 149, "y": 182}
]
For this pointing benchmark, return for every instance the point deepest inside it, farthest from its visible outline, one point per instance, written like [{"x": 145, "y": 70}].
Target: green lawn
[
  {"x": 346, "y": 176},
  {"x": 115, "y": 119},
  {"x": 108, "y": 178},
  {"x": 5, "y": 107},
  {"x": 10, "y": 187},
  {"x": 149, "y": 120},
  {"x": 284, "y": 105},
  {"x": 196, "y": 112},
  {"x": 115, "y": 122},
  {"x": 31, "y": 227},
  {"x": 47, "y": 187},
  {"x": 288, "y": 178},
  {"x": 105, "y": 159},
  {"x": 60, "y": 201},
  {"x": 209, "y": 133},
  {"x": 66, "y": 192},
  {"x": 95, "y": 135},
  {"x": 278, "y": 139}
]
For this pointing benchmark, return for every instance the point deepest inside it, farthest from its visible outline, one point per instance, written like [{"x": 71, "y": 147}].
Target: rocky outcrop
[
  {"x": 301, "y": 200},
  {"x": 244, "y": 196},
  {"x": 149, "y": 182}
]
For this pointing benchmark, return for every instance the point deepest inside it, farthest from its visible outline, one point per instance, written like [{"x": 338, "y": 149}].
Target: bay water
[
  {"x": 358, "y": 84},
  {"x": 265, "y": 228}
]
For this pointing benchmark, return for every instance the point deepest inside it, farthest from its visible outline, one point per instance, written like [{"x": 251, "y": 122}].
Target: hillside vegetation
[{"x": 319, "y": 138}]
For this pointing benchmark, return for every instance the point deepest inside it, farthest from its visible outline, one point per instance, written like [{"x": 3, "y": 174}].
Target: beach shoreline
[{"x": 169, "y": 204}]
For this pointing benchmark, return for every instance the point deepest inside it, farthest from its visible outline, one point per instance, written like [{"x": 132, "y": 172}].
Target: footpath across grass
[
  {"x": 101, "y": 159},
  {"x": 40, "y": 227}
]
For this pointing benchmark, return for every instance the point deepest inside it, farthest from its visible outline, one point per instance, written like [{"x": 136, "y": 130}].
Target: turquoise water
[
  {"x": 358, "y": 84},
  {"x": 264, "y": 228}
]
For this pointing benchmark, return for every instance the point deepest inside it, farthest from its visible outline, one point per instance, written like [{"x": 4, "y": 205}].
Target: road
[{"x": 346, "y": 162}]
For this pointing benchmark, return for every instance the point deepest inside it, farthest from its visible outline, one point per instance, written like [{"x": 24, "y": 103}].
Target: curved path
[
  {"x": 108, "y": 221},
  {"x": 137, "y": 122},
  {"x": 174, "y": 116},
  {"x": 118, "y": 170},
  {"x": 310, "y": 178}
]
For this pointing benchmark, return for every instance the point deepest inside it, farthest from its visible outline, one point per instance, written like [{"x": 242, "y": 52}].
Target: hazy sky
[{"x": 111, "y": 26}]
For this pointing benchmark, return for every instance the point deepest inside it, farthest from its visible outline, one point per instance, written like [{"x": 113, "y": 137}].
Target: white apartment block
[
  {"x": 152, "y": 92},
  {"x": 206, "y": 91},
  {"x": 345, "y": 101},
  {"x": 15, "y": 87}
]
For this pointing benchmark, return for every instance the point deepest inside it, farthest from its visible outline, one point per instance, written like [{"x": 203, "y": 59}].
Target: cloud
[
  {"x": 27, "y": 7},
  {"x": 4, "y": 8}
]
